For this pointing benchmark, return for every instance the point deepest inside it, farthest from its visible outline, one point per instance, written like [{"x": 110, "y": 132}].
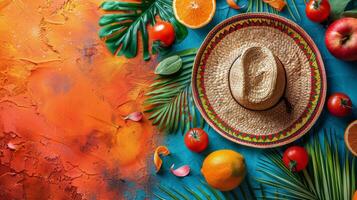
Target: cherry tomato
[
  {"x": 164, "y": 32},
  {"x": 339, "y": 104},
  {"x": 295, "y": 158},
  {"x": 196, "y": 140},
  {"x": 318, "y": 10}
]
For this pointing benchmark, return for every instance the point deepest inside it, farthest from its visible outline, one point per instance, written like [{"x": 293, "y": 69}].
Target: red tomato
[
  {"x": 196, "y": 140},
  {"x": 339, "y": 104},
  {"x": 318, "y": 10},
  {"x": 295, "y": 158},
  {"x": 164, "y": 32}
]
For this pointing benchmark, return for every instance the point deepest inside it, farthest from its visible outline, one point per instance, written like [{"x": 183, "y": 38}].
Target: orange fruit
[
  {"x": 351, "y": 137},
  {"x": 355, "y": 196},
  {"x": 224, "y": 169},
  {"x": 194, "y": 13}
]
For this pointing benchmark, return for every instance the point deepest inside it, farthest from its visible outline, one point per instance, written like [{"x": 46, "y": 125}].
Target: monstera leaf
[{"x": 125, "y": 22}]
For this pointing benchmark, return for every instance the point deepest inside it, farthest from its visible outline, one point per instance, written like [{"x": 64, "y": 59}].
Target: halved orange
[
  {"x": 351, "y": 137},
  {"x": 194, "y": 13}
]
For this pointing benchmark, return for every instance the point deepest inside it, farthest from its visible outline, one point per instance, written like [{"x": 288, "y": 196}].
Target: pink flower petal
[
  {"x": 11, "y": 146},
  {"x": 135, "y": 116},
  {"x": 181, "y": 171}
]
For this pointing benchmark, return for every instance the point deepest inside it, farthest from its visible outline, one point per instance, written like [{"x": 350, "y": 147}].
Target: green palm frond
[
  {"x": 202, "y": 191},
  {"x": 261, "y": 6},
  {"x": 330, "y": 175},
  {"x": 170, "y": 103},
  {"x": 350, "y": 13},
  {"x": 124, "y": 20},
  {"x": 338, "y": 7}
]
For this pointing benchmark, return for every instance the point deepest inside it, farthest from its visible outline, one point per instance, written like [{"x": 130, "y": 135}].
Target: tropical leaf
[
  {"x": 330, "y": 175},
  {"x": 337, "y": 8},
  {"x": 260, "y": 6},
  {"x": 202, "y": 191},
  {"x": 350, "y": 13},
  {"x": 170, "y": 102},
  {"x": 169, "y": 65},
  {"x": 125, "y": 20}
]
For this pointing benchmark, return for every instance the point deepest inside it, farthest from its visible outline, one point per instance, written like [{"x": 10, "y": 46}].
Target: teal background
[{"x": 341, "y": 77}]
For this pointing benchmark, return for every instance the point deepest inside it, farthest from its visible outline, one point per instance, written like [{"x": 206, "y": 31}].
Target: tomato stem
[
  {"x": 316, "y": 4},
  {"x": 195, "y": 135},
  {"x": 292, "y": 165},
  {"x": 344, "y": 103}
]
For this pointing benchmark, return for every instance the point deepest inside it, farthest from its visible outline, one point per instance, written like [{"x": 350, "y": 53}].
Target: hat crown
[{"x": 257, "y": 79}]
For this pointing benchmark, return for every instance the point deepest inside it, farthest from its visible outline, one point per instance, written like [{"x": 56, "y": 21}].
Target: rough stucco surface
[{"x": 62, "y": 99}]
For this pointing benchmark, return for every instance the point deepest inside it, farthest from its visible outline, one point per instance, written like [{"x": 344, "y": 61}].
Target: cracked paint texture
[{"x": 62, "y": 101}]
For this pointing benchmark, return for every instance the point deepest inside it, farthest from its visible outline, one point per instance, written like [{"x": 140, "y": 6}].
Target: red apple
[{"x": 341, "y": 38}]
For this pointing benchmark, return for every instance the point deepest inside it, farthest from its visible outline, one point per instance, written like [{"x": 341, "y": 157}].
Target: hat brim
[{"x": 306, "y": 80}]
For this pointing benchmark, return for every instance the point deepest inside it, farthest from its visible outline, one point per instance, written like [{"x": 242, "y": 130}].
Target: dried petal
[
  {"x": 181, "y": 171},
  {"x": 277, "y": 4},
  {"x": 135, "y": 116},
  {"x": 160, "y": 150},
  {"x": 233, "y": 4},
  {"x": 11, "y": 146}
]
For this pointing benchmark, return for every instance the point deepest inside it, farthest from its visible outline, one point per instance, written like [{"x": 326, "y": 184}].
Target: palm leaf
[
  {"x": 329, "y": 176},
  {"x": 202, "y": 191},
  {"x": 124, "y": 21},
  {"x": 350, "y": 13},
  {"x": 260, "y": 6},
  {"x": 338, "y": 7},
  {"x": 170, "y": 103}
]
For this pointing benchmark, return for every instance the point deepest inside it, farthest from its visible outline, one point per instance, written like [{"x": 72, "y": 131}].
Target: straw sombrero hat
[{"x": 259, "y": 80}]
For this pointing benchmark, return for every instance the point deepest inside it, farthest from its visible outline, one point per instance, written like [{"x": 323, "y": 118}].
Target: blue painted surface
[{"x": 342, "y": 77}]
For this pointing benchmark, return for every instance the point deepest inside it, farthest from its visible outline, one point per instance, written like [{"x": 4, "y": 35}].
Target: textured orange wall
[{"x": 62, "y": 99}]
